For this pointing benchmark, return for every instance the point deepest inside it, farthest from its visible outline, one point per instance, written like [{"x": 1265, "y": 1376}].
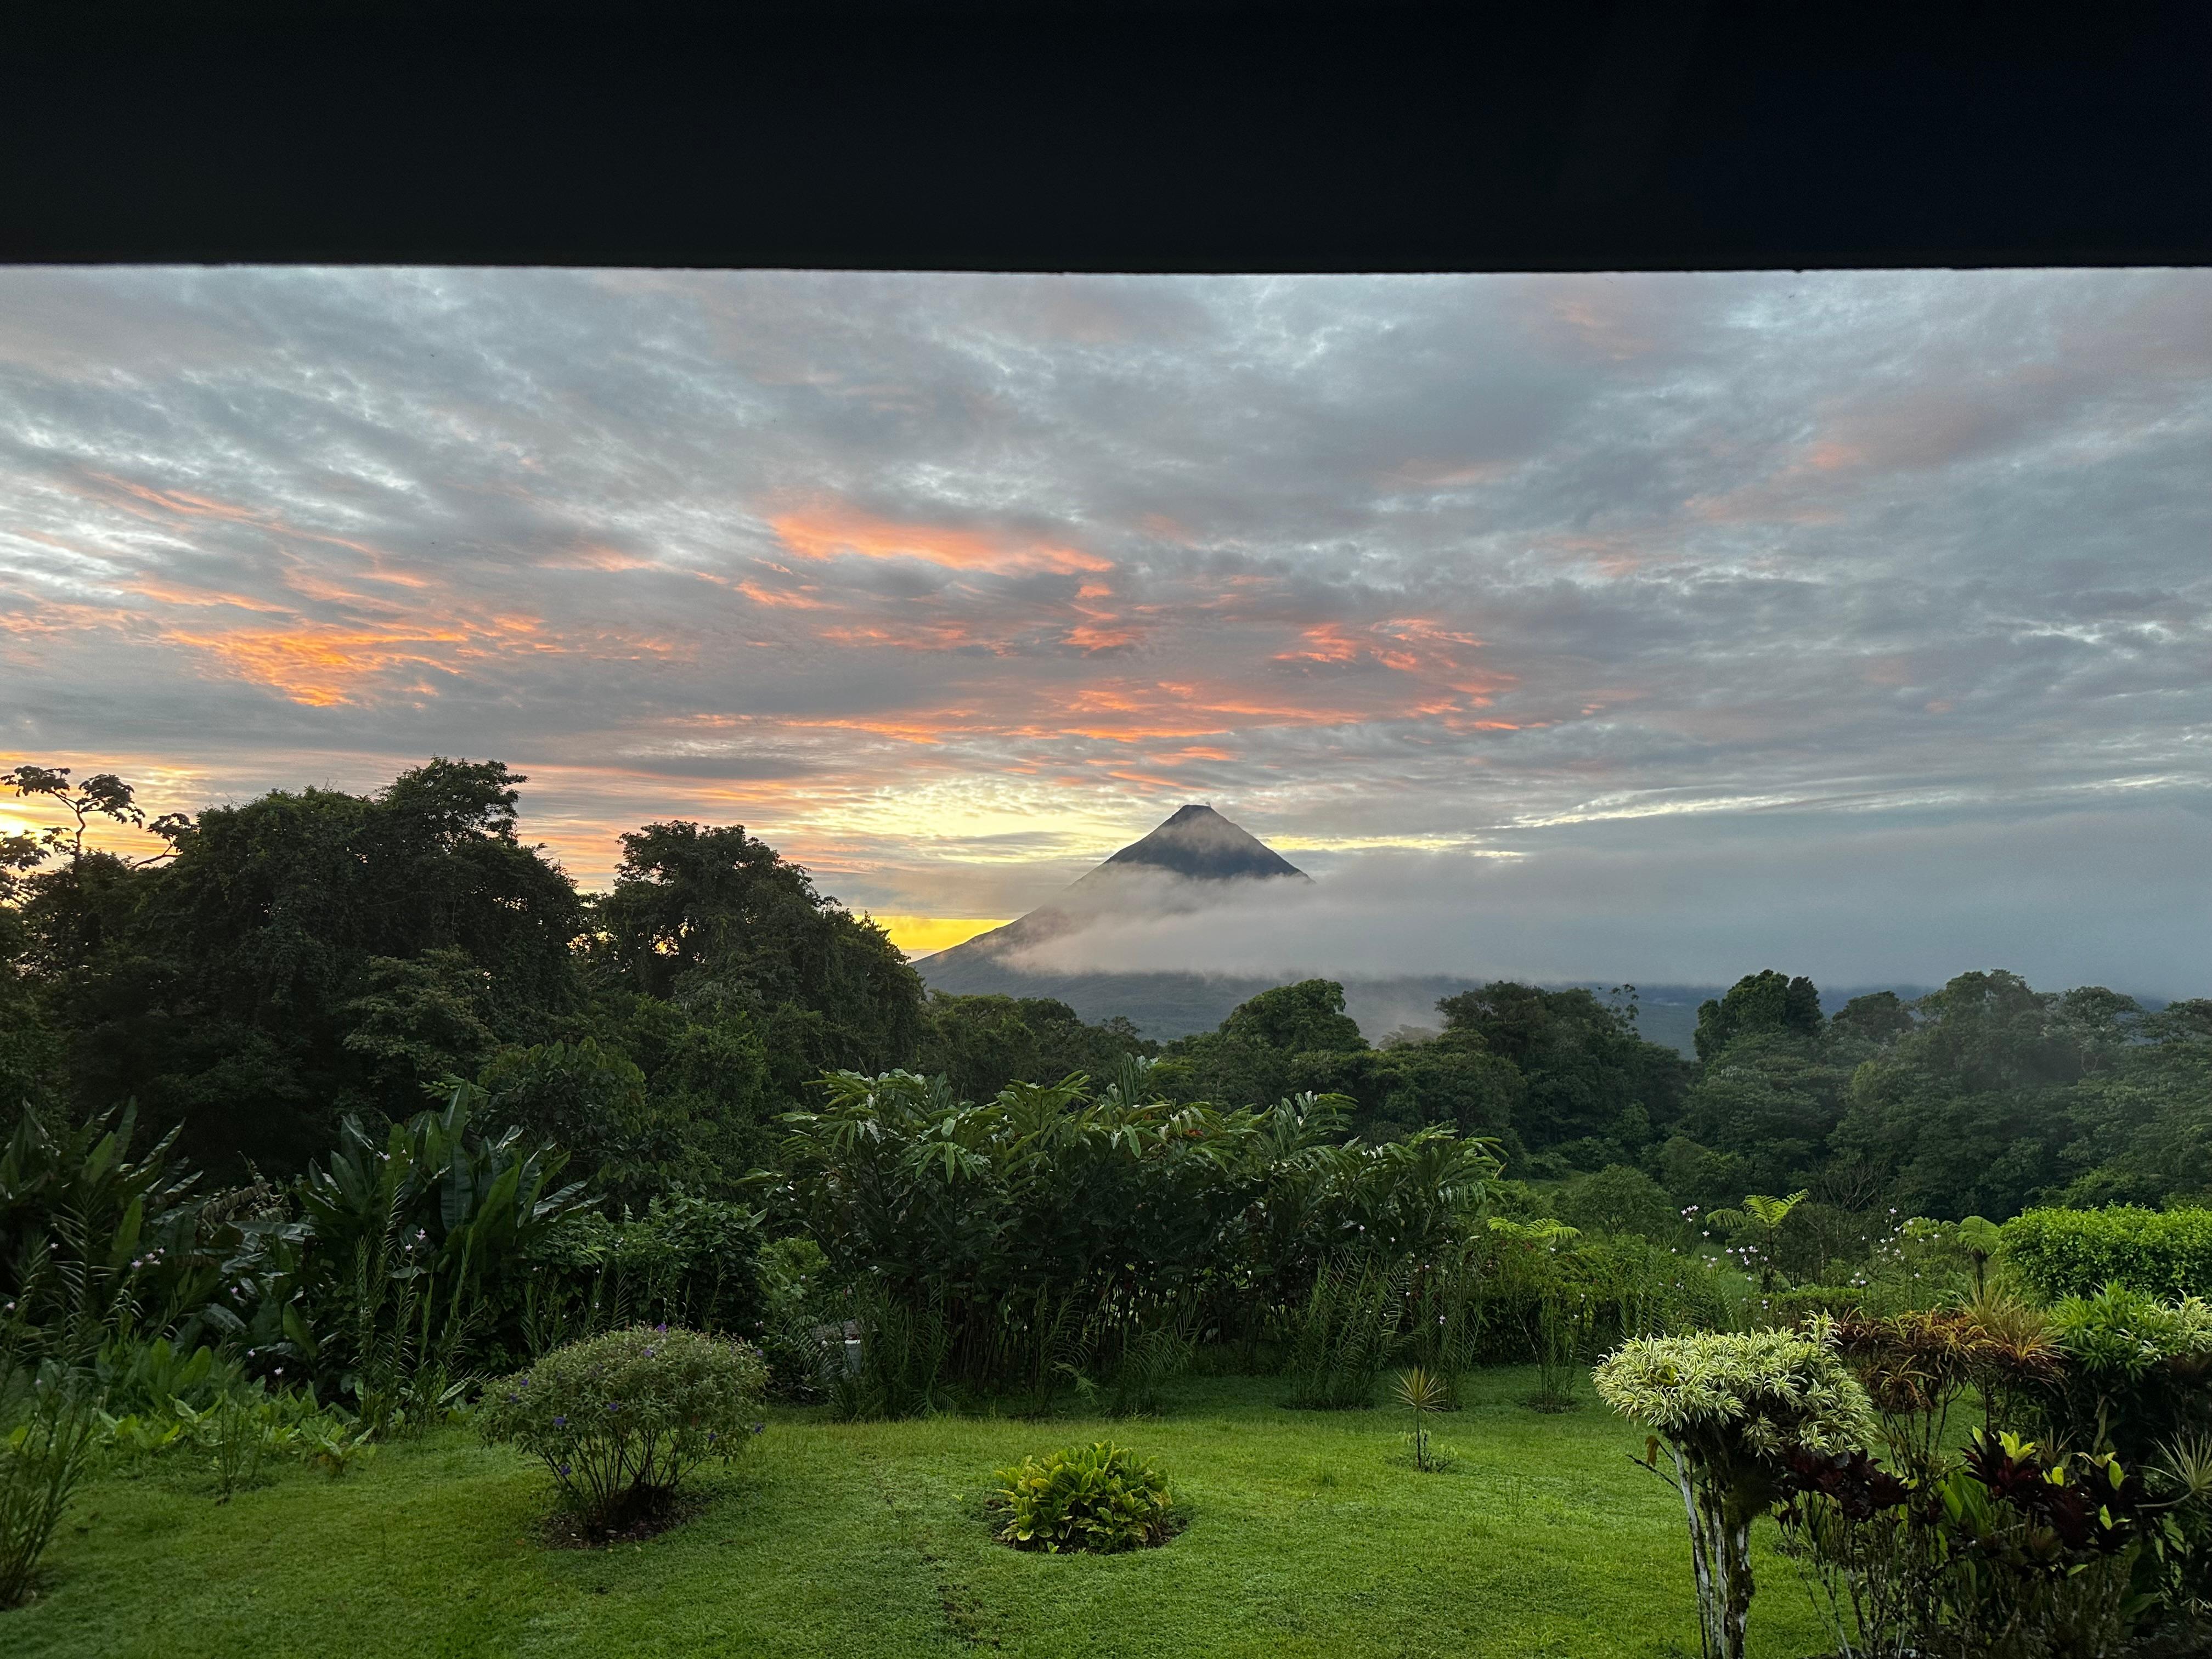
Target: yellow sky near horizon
[{"x": 920, "y": 936}]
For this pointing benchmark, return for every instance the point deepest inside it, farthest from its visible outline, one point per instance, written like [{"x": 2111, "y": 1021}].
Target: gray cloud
[{"x": 952, "y": 584}]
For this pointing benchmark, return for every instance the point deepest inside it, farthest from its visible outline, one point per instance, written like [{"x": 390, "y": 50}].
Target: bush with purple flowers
[{"x": 620, "y": 1419}]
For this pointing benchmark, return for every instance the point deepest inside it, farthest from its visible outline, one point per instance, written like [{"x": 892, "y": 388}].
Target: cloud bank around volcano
[{"x": 1851, "y": 906}]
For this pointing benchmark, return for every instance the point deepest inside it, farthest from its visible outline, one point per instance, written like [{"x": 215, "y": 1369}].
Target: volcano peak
[{"x": 1198, "y": 843}]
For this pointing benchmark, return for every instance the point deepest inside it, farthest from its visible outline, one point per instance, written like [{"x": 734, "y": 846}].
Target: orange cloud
[
  {"x": 793, "y": 601},
  {"x": 824, "y": 532},
  {"x": 1095, "y": 637},
  {"x": 319, "y": 664}
]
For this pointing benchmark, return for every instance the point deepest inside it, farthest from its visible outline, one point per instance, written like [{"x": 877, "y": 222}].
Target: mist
[{"x": 2111, "y": 898}]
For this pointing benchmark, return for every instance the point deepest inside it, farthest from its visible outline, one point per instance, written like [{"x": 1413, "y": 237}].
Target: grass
[{"x": 1312, "y": 1534}]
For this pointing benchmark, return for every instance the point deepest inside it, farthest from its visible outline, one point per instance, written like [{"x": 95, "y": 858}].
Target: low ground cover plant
[
  {"x": 1101, "y": 1498},
  {"x": 619, "y": 1420}
]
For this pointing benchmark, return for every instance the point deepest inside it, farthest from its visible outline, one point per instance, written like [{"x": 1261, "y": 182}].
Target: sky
[{"x": 1587, "y": 625}]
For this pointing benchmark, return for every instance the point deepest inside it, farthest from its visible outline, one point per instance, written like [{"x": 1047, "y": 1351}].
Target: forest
[
  {"x": 258, "y": 975},
  {"x": 339, "y": 1123}
]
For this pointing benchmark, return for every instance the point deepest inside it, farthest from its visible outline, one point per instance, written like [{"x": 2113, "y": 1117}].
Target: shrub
[
  {"x": 1916, "y": 1366},
  {"x": 2009, "y": 1552},
  {"x": 2139, "y": 1369},
  {"x": 1732, "y": 1410},
  {"x": 1097, "y": 1497},
  {"x": 688, "y": 1262},
  {"x": 620, "y": 1419}
]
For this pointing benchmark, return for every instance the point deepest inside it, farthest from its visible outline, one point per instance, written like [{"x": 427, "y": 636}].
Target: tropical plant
[
  {"x": 1099, "y": 1498},
  {"x": 44, "y": 1458},
  {"x": 1346, "y": 1333},
  {"x": 239, "y": 1435},
  {"x": 1566, "y": 1317},
  {"x": 620, "y": 1420},
  {"x": 408, "y": 1264},
  {"x": 1730, "y": 1410},
  {"x": 1422, "y": 1394},
  {"x": 802, "y": 1328},
  {"x": 94, "y": 1244},
  {"x": 904, "y": 1346},
  {"x": 2138, "y": 1371},
  {"x": 1916, "y": 1366},
  {"x": 1759, "y": 1221},
  {"x": 687, "y": 1261},
  {"x": 1053, "y": 1232}
]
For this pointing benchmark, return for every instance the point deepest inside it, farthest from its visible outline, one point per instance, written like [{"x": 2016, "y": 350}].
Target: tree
[
  {"x": 2140, "y": 1128},
  {"x": 1304, "y": 1018},
  {"x": 705, "y": 1068},
  {"x": 1583, "y": 1063},
  {"x": 700, "y": 915},
  {"x": 1273, "y": 1046},
  {"x": 1977, "y": 1108},
  {"x": 1765, "y": 1002},
  {"x": 303, "y": 956},
  {"x": 1875, "y": 1019},
  {"x": 1622, "y": 1200},
  {"x": 1731, "y": 1411},
  {"x": 1771, "y": 1099}
]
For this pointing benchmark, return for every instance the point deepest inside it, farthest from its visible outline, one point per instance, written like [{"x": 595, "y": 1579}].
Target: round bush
[
  {"x": 1097, "y": 1497},
  {"x": 620, "y": 1419}
]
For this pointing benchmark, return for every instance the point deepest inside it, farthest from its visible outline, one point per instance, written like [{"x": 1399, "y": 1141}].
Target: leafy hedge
[{"x": 2063, "y": 1253}]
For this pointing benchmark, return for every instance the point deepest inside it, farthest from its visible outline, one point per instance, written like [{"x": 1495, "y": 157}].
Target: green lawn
[{"x": 1311, "y": 1536}]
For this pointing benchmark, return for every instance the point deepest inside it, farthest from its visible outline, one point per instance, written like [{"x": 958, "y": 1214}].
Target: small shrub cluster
[
  {"x": 620, "y": 1419},
  {"x": 1099, "y": 1498}
]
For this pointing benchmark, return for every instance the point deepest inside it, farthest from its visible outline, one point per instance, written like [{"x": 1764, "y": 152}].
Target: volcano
[
  {"x": 1183, "y": 863},
  {"x": 1198, "y": 844}
]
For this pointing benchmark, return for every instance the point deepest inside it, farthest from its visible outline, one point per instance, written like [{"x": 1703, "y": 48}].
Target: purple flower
[
  {"x": 564, "y": 1469},
  {"x": 560, "y": 1422},
  {"x": 662, "y": 1326}
]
